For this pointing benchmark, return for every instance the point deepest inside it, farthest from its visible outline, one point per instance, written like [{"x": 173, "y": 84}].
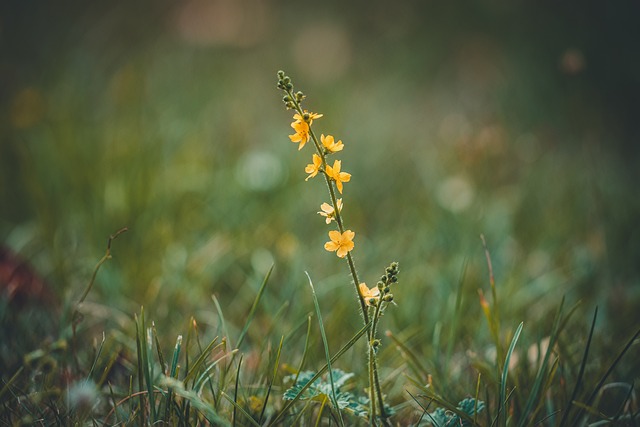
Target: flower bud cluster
[
  {"x": 389, "y": 278},
  {"x": 290, "y": 100}
]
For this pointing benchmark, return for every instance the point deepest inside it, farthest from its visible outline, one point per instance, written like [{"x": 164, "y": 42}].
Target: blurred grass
[{"x": 457, "y": 121}]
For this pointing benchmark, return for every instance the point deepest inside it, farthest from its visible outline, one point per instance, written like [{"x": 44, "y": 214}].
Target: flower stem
[{"x": 375, "y": 392}]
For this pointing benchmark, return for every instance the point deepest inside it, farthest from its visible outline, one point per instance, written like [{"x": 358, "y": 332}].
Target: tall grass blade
[
  {"x": 139, "y": 359},
  {"x": 195, "y": 400},
  {"x": 172, "y": 374},
  {"x": 502, "y": 402},
  {"x": 273, "y": 379},
  {"x": 163, "y": 365},
  {"x": 306, "y": 349},
  {"x": 326, "y": 350},
  {"x": 534, "y": 393},
  {"x": 574, "y": 394},
  {"x": 205, "y": 374},
  {"x": 239, "y": 408},
  {"x": 98, "y": 353},
  {"x": 235, "y": 392},
  {"x": 223, "y": 323},
  {"x": 456, "y": 312},
  {"x": 193, "y": 370},
  {"x": 252, "y": 311}
]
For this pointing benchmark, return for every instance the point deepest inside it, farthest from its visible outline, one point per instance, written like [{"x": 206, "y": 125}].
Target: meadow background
[{"x": 517, "y": 120}]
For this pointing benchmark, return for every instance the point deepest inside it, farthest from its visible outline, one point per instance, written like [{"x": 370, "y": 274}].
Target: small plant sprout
[{"x": 373, "y": 301}]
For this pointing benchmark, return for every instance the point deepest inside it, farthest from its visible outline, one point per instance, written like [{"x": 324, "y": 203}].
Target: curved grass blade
[
  {"x": 502, "y": 403},
  {"x": 239, "y": 408},
  {"x": 191, "y": 373},
  {"x": 555, "y": 330},
  {"x": 205, "y": 408},
  {"x": 235, "y": 393},
  {"x": 95, "y": 360},
  {"x": 326, "y": 349},
  {"x": 172, "y": 374},
  {"x": 574, "y": 394},
  {"x": 306, "y": 349},
  {"x": 273, "y": 379},
  {"x": 252, "y": 311}
]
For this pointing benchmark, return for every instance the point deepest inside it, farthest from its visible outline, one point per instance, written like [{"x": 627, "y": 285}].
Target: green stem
[
  {"x": 374, "y": 367},
  {"x": 374, "y": 382},
  {"x": 372, "y": 393},
  {"x": 338, "y": 216}
]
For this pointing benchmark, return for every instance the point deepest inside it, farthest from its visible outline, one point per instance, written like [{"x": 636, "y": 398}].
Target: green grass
[{"x": 201, "y": 312}]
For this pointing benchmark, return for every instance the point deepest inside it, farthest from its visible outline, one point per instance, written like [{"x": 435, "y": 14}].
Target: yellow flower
[
  {"x": 313, "y": 168},
  {"x": 341, "y": 243},
  {"x": 302, "y": 133},
  {"x": 335, "y": 174},
  {"x": 370, "y": 296},
  {"x": 329, "y": 212},
  {"x": 312, "y": 116},
  {"x": 330, "y": 144}
]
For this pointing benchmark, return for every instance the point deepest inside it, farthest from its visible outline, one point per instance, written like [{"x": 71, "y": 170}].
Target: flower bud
[
  {"x": 387, "y": 298},
  {"x": 280, "y": 74},
  {"x": 288, "y": 86}
]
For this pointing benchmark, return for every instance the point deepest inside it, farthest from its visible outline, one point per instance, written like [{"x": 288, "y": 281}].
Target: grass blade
[
  {"x": 139, "y": 359},
  {"x": 235, "y": 393},
  {"x": 252, "y": 311},
  {"x": 172, "y": 374},
  {"x": 502, "y": 402},
  {"x": 543, "y": 367},
  {"x": 273, "y": 379},
  {"x": 199, "y": 361},
  {"x": 574, "y": 394},
  {"x": 95, "y": 360},
  {"x": 326, "y": 348},
  {"x": 239, "y": 408},
  {"x": 306, "y": 349}
]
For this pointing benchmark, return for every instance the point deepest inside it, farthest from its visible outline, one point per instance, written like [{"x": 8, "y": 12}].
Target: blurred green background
[{"x": 518, "y": 120}]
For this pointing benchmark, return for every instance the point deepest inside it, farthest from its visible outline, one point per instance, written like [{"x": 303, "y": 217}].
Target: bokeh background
[{"x": 516, "y": 120}]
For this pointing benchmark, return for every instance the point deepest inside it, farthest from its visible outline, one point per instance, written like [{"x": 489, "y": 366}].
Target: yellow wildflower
[
  {"x": 341, "y": 243},
  {"x": 370, "y": 296},
  {"x": 312, "y": 116},
  {"x": 329, "y": 212},
  {"x": 335, "y": 174},
  {"x": 330, "y": 144},
  {"x": 302, "y": 133},
  {"x": 313, "y": 168}
]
